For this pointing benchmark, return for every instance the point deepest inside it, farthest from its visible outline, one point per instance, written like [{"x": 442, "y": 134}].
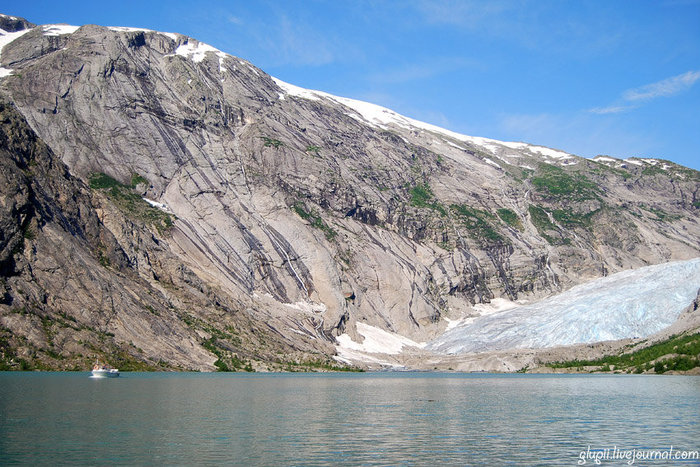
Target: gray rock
[{"x": 302, "y": 214}]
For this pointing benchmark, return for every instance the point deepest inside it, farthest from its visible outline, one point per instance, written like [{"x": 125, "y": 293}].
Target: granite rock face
[{"x": 285, "y": 215}]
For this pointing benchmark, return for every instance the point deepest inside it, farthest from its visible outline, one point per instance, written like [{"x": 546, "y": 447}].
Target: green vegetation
[
  {"x": 696, "y": 204},
  {"x": 601, "y": 168},
  {"x": 520, "y": 174},
  {"x": 570, "y": 218},
  {"x": 313, "y": 149},
  {"x": 130, "y": 202},
  {"x": 220, "y": 344},
  {"x": 422, "y": 197},
  {"x": 28, "y": 233},
  {"x": 315, "y": 365},
  {"x": 447, "y": 246},
  {"x": 227, "y": 334},
  {"x": 557, "y": 183},
  {"x": 660, "y": 214},
  {"x": 125, "y": 362},
  {"x": 685, "y": 172},
  {"x": 226, "y": 361},
  {"x": 682, "y": 354},
  {"x": 271, "y": 142},
  {"x": 8, "y": 357},
  {"x": 100, "y": 181},
  {"x": 510, "y": 218},
  {"x": 315, "y": 220},
  {"x": 103, "y": 258},
  {"x": 651, "y": 170},
  {"x": 478, "y": 223},
  {"x": 51, "y": 358},
  {"x": 137, "y": 179},
  {"x": 540, "y": 219}
]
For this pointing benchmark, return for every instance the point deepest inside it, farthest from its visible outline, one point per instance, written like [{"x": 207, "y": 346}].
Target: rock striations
[{"x": 171, "y": 206}]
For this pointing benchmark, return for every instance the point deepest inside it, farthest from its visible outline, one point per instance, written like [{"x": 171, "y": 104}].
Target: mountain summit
[{"x": 172, "y": 206}]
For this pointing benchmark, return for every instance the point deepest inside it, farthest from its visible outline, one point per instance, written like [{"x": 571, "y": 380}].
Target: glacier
[{"x": 630, "y": 304}]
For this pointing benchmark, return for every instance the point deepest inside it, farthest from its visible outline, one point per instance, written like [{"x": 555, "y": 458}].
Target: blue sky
[{"x": 620, "y": 78}]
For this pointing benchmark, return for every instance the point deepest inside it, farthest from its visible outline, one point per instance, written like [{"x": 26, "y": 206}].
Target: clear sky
[{"x": 612, "y": 77}]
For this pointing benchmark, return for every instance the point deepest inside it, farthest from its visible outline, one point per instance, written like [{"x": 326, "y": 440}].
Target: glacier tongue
[{"x": 634, "y": 303}]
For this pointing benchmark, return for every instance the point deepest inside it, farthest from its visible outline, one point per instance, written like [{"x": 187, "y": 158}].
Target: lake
[{"x": 352, "y": 419}]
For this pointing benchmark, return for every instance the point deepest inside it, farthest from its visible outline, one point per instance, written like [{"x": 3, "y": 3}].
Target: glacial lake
[{"x": 342, "y": 419}]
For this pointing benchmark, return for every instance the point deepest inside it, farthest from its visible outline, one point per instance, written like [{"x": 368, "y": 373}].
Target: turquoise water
[{"x": 353, "y": 419}]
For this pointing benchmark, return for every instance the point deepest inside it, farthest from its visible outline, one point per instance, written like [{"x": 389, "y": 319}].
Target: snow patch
[
  {"x": 58, "y": 29},
  {"x": 633, "y": 161},
  {"x": 6, "y": 38},
  {"x": 553, "y": 153},
  {"x": 267, "y": 295},
  {"x": 541, "y": 150},
  {"x": 634, "y": 303},
  {"x": 127, "y": 29},
  {"x": 604, "y": 159},
  {"x": 504, "y": 160},
  {"x": 376, "y": 341},
  {"x": 307, "y": 307},
  {"x": 251, "y": 67},
  {"x": 296, "y": 91},
  {"x": 156, "y": 204},
  {"x": 381, "y": 117},
  {"x": 170, "y": 35},
  {"x": 349, "y": 356},
  {"x": 490, "y": 162},
  {"x": 497, "y": 305},
  {"x": 197, "y": 51},
  {"x": 305, "y": 334},
  {"x": 514, "y": 145},
  {"x": 452, "y": 323}
]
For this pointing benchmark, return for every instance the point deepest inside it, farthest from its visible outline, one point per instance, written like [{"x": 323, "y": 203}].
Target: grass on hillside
[
  {"x": 679, "y": 353},
  {"x": 478, "y": 223},
  {"x": 422, "y": 197},
  {"x": 540, "y": 219},
  {"x": 510, "y": 217},
  {"x": 559, "y": 184},
  {"x": 315, "y": 220},
  {"x": 129, "y": 202}
]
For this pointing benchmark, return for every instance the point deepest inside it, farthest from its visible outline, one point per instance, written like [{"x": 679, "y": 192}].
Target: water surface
[{"x": 354, "y": 419}]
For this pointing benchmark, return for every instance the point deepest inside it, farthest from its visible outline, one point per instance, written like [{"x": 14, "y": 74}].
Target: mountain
[{"x": 167, "y": 205}]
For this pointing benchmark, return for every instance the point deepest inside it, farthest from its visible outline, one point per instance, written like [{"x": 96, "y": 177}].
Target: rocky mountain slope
[{"x": 176, "y": 206}]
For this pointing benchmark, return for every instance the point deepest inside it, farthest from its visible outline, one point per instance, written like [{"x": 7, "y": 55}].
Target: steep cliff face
[
  {"x": 312, "y": 212},
  {"x": 89, "y": 273}
]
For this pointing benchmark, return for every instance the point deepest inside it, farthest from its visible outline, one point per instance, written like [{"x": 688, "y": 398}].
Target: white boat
[{"x": 103, "y": 371}]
